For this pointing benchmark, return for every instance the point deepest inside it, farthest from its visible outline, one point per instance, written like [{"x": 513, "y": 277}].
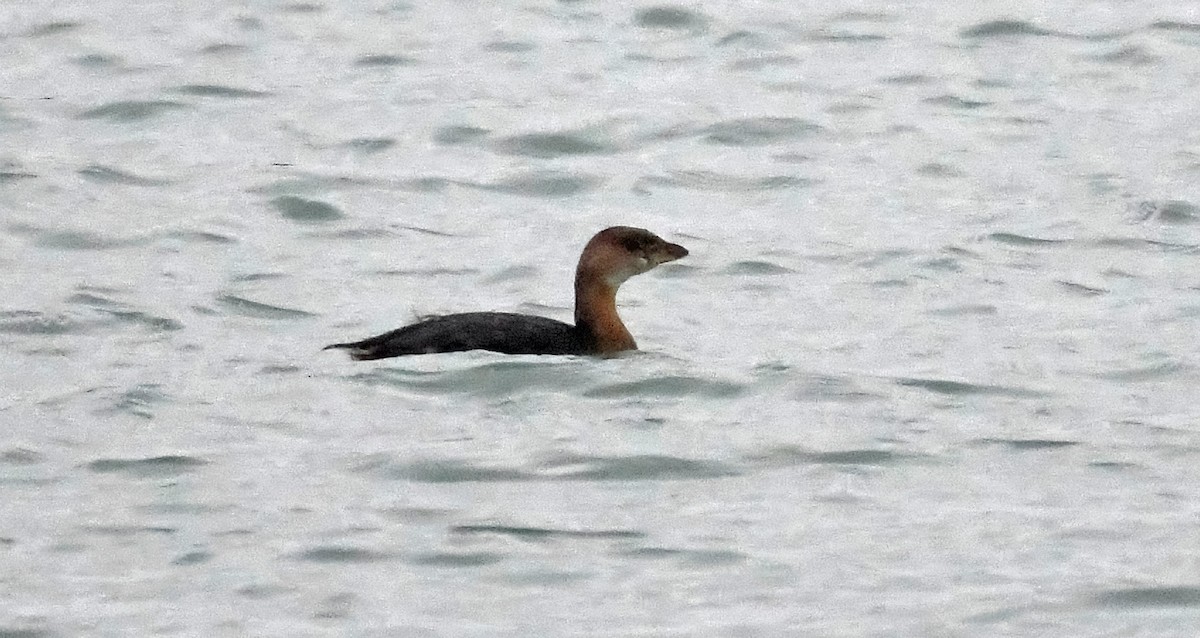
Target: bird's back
[{"x": 505, "y": 332}]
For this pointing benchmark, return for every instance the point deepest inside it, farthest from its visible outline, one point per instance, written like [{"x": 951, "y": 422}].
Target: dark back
[{"x": 505, "y": 332}]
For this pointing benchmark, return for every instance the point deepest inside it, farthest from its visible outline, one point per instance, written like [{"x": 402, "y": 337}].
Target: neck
[{"x": 596, "y": 315}]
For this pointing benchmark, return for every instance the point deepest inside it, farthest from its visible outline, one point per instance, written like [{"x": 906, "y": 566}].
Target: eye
[{"x": 633, "y": 244}]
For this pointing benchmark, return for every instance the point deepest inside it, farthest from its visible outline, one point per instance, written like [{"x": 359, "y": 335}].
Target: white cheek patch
[
  {"x": 633, "y": 267},
  {"x": 618, "y": 277}
]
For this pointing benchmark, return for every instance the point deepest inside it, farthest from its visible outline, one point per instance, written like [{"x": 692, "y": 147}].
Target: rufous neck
[{"x": 596, "y": 315}]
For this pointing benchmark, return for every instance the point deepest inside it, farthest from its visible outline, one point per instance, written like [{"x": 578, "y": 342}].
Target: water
[{"x": 930, "y": 368}]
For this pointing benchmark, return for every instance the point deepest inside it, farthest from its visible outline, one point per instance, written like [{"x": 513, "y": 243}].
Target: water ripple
[
  {"x": 1131, "y": 55},
  {"x": 190, "y": 558},
  {"x": 819, "y": 388},
  {"x": 746, "y": 39},
  {"x": 670, "y": 17},
  {"x": 959, "y": 388},
  {"x": 456, "y": 559},
  {"x": 965, "y": 310},
  {"x": 31, "y": 322},
  {"x": 1144, "y": 597},
  {"x": 1118, "y": 466},
  {"x": 1172, "y": 211},
  {"x": 1169, "y": 25},
  {"x": 693, "y": 557},
  {"x": 499, "y": 379},
  {"x": 759, "y": 62},
  {"x": 1147, "y": 373},
  {"x": 125, "y": 531},
  {"x": 717, "y": 182},
  {"x": 1029, "y": 444},
  {"x": 556, "y": 144},
  {"x": 384, "y": 60},
  {"x": 445, "y": 471},
  {"x": 548, "y": 184},
  {"x": 545, "y": 533},
  {"x": 21, "y": 456},
  {"x": 1081, "y": 290},
  {"x": 262, "y": 592},
  {"x": 343, "y": 554},
  {"x": 955, "y": 102},
  {"x": 566, "y": 467},
  {"x": 827, "y": 34},
  {"x": 302, "y": 7},
  {"x": 1004, "y": 28},
  {"x": 454, "y": 135},
  {"x": 53, "y": 28},
  {"x": 224, "y": 48},
  {"x": 1009, "y": 28},
  {"x": 257, "y": 310},
  {"x": 305, "y": 210},
  {"x": 668, "y": 386},
  {"x": 151, "y": 467},
  {"x": 218, "y": 91},
  {"x": 14, "y": 631},
  {"x": 907, "y": 79},
  {"x": 137, "y": 401},
  {"x": 645, "y": 467},
  {"x": 756, "y": 268},
  {"x": 99, "y": 173},
  {"x": 1013, "y": 239},
  {"x": 307, "y": 184},
  {"x": 12, "y": 176},
  {"x": 789, "y": 455},
  {"x": 512, "y": 273},
  {"x": 1137, "y": 243},
  {"x": 939, "y": 169},
  {"x": 371, "y": 144},
  {"x": 132, "y": 110},
  {"x": 759, "y": 131},
  {"x": 201, "y": 237},
  {"x": 81, "y": 240},
  {"x": 425, "y": 184},
  {"x": 510, "y": 46}
]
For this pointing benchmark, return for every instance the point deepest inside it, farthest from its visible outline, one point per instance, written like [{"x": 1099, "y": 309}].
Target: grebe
[{"x": 612, "y": 256}]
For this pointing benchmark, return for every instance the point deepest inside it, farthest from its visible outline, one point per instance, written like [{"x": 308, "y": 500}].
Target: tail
[{"x": 357, "y": 352}]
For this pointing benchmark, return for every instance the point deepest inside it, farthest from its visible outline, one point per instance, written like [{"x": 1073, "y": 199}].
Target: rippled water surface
[{"x": 930, "y": 369}]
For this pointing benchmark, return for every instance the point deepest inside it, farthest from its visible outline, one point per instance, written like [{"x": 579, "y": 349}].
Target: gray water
[{"x": 929, "y": 370}]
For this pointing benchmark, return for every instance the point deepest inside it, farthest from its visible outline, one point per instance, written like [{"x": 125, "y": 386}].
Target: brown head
[
  {"x": 612, "y": 256},
  {"x": 620, "y": 252}
]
